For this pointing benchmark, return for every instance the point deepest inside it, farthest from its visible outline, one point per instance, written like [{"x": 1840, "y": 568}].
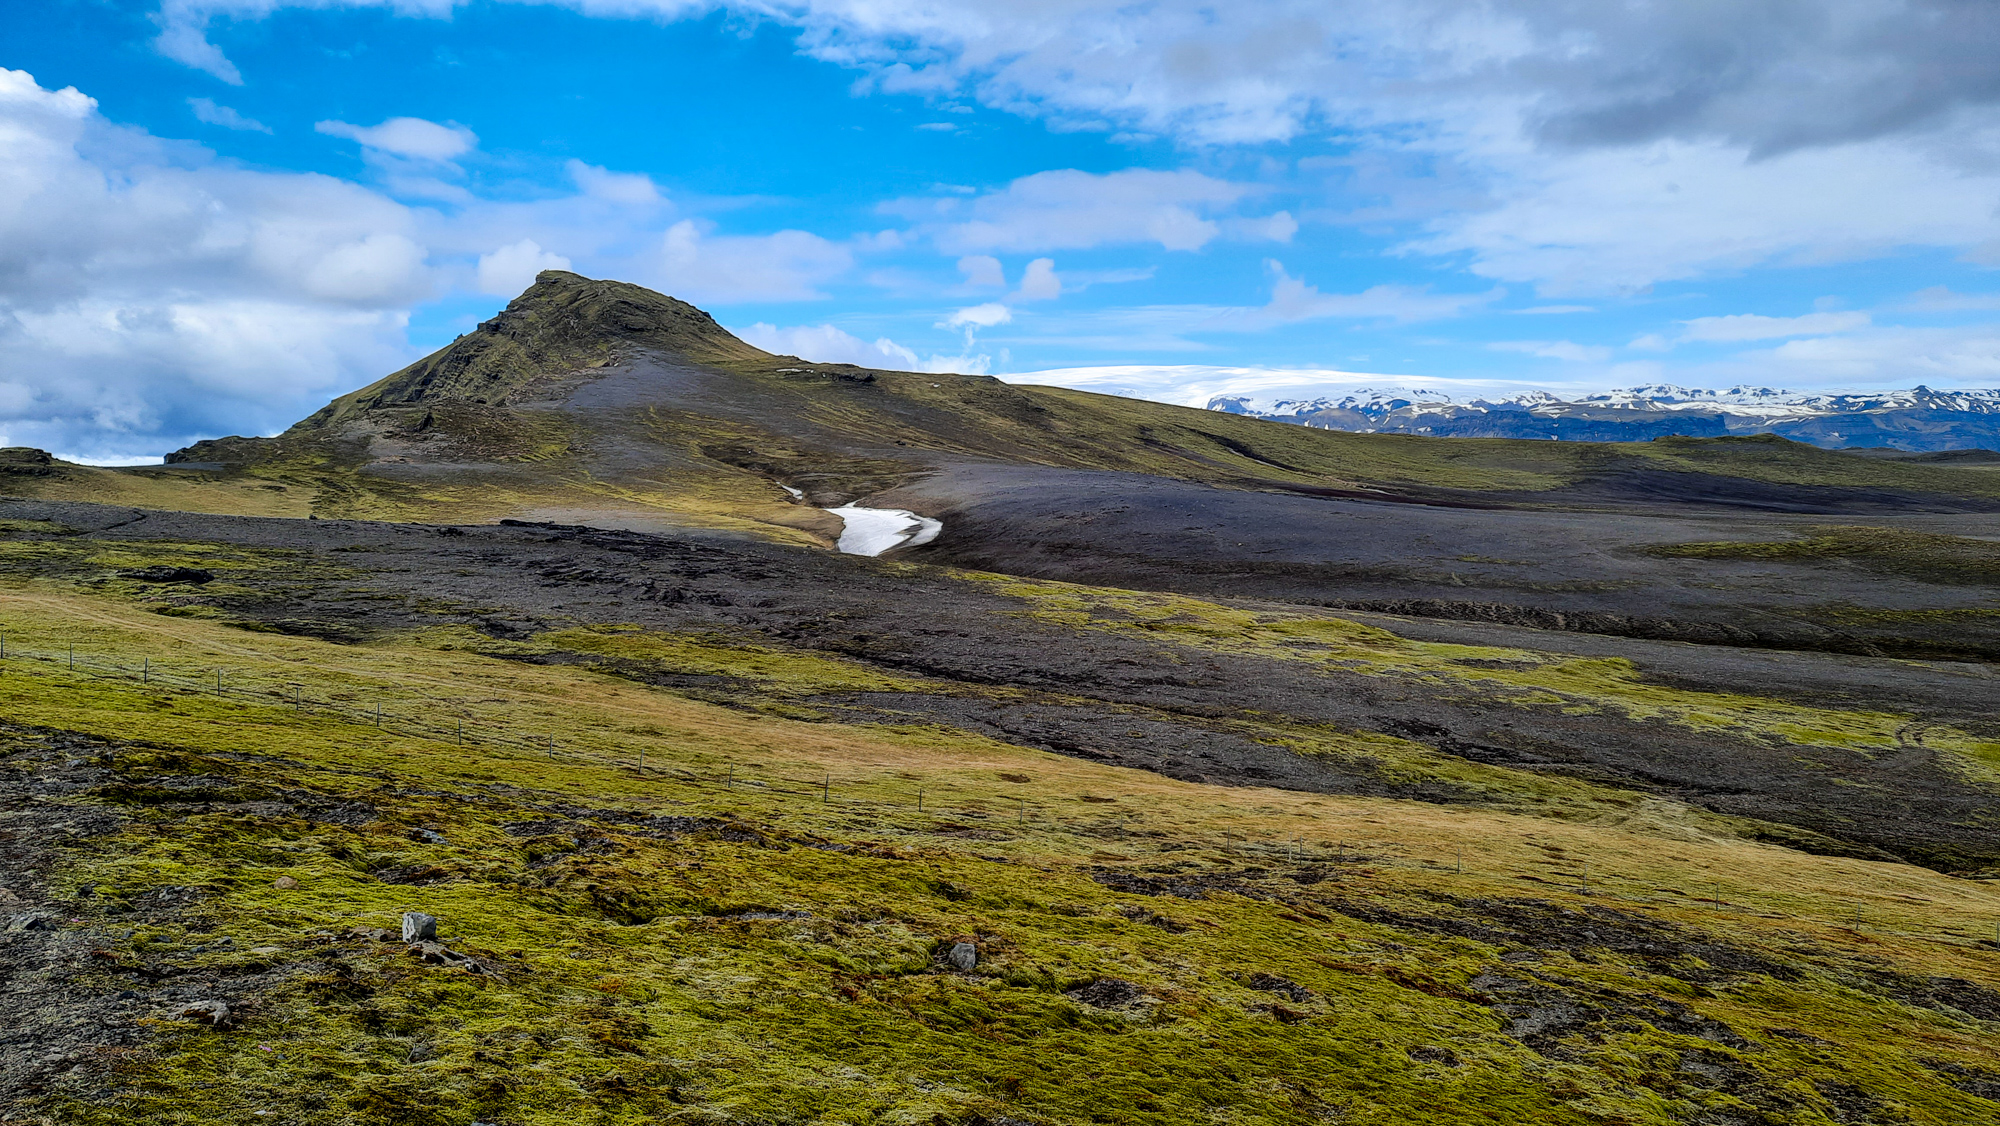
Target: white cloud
[
  {"x": 208, "y": 113},
  {"x": 150, "y": 295},
  {"x": 982, "y": 270},
  {"x": 630, "y": 188},
  {"x": 1039, "y": 282},
  {"x": 1619, "y": 220},
  {"x": 979, "y": 316},
  {"x": 1883, "y": 356},
  {"x": 827, "y": 344},
  {"x": 702, "y": 267},
  {"x": 1749, "y": 326},
  {"x": 511, "y": 269},
  {"x": 1565, "y": 350},
  {"x": 407, "y": 137},
  {"x": 1578, "y": 147},
  {"x": 1294, "y": 300},
  {"x": 1069, "y": 209}
]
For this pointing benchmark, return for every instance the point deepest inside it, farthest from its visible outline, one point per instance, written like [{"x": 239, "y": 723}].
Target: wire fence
[{"x": 988, "y": 810}]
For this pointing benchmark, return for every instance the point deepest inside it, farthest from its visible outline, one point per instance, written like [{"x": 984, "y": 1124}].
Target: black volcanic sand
[
  {"x": 1552, "y": 561},
  {"x": 1084, "y": 693}
]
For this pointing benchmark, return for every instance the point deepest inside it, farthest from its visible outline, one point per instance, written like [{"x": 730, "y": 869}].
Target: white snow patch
[
  {"x": 797, "y": 494},
  {"x": 872, "y": 531}
]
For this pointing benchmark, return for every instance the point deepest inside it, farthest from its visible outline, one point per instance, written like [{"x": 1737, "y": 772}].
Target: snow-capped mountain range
[{"x": 1916, "y": 419}]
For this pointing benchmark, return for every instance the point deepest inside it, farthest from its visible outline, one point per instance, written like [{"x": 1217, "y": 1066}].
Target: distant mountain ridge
[{"x": 1917, "y": 419}]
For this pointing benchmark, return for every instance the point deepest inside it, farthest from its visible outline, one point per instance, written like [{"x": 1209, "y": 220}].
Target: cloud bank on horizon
[{"x": 214, "y": 214}]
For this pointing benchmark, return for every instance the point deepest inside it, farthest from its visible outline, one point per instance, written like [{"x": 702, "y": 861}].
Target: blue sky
[{"x": 215, "y": 214}]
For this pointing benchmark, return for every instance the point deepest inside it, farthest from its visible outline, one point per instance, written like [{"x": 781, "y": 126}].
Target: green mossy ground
[
  {"x": 769, "y": 956},
  {"x": 1923, "y": 556}
]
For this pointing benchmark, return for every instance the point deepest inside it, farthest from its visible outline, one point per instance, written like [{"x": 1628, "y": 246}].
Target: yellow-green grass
[{"x": 630, "y": 994}]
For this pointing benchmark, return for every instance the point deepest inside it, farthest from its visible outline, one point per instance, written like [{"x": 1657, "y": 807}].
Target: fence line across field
[{"x": 476, "y": 732}]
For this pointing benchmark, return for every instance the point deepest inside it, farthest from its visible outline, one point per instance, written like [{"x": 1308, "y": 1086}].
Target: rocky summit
[{"x": 527, "y": 738}]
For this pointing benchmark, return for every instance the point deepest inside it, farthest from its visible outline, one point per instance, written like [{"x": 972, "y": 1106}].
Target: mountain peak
[{"x": 563, "y": 322}]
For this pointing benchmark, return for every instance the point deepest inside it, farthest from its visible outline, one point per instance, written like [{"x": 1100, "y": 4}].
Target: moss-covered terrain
[
  {"x": 699, "y": 859},
  {"x": 1924, "y": 556},
  {"x": 753, "y": 925}
]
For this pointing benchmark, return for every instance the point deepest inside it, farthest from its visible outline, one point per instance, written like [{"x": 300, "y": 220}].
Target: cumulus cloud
[
  {"x": 1292, "y": 299},
  {"x": 629, "y": 188},
  {"x": 150, "y": 295},
  {"x": 1600, "y": 147},
  {"x": 828, "y": 344},
  {"x": 411, "y": 137},
  {"x": 1610, "y": 220},
  {"x": 1039, "y": 282},
  {"x": 979, "y": 316},
  {"x": 509, "y": 270},
  {"x": 982, "y": 270},
  {"x": 1068, "y": 209},
  {"x": 696, "y": 265},
  {"x": 209, "y": 113}
]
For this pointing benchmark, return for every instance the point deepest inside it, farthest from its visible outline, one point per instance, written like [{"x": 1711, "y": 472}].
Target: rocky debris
[
  {"x": 1109, "y": 993},
  {"x": 1284, "y": 987},
  {"x": 963, "y": 956},
  {"x": 1180, "y": 885},
  {"x": 1434, "y": 1053},
  {"x": 1541, "y": 926},
  {"x": 31, "y": 921},
  {"x": 205, "y": 1012},
  {"x": 419, "y": 927},
  {"x": 26, "y": 461},
  {"x": 284, "y": 883},
  {"x": 428, "y": 836},
  {"x": 163, "y": 573},
  {"x": 412, "y": 875}
]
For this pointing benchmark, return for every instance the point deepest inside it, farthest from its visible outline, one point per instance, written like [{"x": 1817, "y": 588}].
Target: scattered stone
[
  {"x": 372, "y": 934},
  {"x": 1271, "y": 983},
  {"x": 1108, "y": 993},
  {"x": 32, "y": 921},
  {"x": 437, "y": 953},
  {"x": 428, "y": 836},
  {"x": 962, "y": 956},
  {"x": 1434, "y": 1053},
  {"x": 162, "y": 573},
  {"x": 284, "y": 883},
  {"x": 419, "y": 927},
  {"x": 205, "y": 1012}
]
